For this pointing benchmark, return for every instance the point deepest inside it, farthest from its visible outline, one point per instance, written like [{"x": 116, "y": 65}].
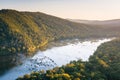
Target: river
[{"x": 56, "y": 56}]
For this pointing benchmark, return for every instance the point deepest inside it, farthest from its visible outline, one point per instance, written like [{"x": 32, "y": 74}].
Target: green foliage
[{"x": 109, "y": 53}]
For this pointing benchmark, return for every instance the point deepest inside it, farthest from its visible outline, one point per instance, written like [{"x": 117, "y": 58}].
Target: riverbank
[{"x": 55, "y": 56}]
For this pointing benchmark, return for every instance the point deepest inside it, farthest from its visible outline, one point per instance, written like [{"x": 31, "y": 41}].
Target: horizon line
[{"x": 61, "y": 17}]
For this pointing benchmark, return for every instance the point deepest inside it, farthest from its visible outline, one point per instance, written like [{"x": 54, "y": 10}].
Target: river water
[{"x": 56, "y": 56}]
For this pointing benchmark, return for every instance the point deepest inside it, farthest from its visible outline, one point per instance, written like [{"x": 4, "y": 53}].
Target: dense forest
[
  {"x": 26, "y": 32},
  {"x": 103, "y": 65}
]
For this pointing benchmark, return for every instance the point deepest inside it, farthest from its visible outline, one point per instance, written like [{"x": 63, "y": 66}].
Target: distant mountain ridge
[
  {"x": 110, "y": 25},
  {"x": 98, "y": 22}
]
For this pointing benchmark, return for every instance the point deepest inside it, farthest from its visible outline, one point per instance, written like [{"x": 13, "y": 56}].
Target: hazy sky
[{"x": 75, "y": 9}]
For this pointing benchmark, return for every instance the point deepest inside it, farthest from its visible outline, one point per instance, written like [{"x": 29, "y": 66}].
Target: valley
[{"x": 33, "y": 41}]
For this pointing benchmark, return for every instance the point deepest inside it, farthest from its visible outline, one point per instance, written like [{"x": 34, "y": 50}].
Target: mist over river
[{"x": 56, "y": 56}]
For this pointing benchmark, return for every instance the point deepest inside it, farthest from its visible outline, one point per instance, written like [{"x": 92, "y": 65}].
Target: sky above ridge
[{"x": 73, "y": 9}]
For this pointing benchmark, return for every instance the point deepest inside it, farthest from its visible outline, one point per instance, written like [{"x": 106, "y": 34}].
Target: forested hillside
[
  {"x": 24, "y": 32},
  {"x": 27, "y": 32},
  {"x": 103, "y": 65}
]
